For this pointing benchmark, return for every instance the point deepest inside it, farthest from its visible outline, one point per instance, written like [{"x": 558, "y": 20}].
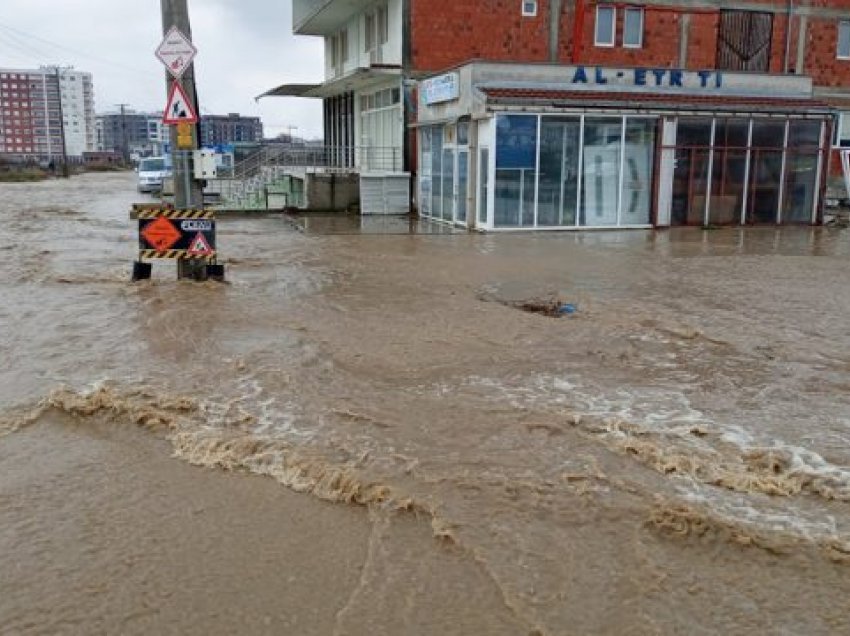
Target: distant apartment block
[
  {"x": 130, "y": 133},
  {"x": 230, "y": 129},
  {"x": 31, "y": 113}
]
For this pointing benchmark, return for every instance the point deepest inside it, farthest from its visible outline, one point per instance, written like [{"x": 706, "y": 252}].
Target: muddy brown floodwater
[{"x": 363, "y": 434}]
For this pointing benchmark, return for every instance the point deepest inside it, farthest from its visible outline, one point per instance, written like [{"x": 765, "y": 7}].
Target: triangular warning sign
[
  {"x": 179, "y": 108},
  {"x": 200, "y": 246}
]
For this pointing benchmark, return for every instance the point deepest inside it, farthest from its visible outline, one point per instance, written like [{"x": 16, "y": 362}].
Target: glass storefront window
[
  {"x": 516, "y": 161},
  {"x": 598, "y": 171},
  {"x": 751, "y": 170},
  {"x": 425, "y": 171},
  {"x": 731, "y": 138},
  {"x": 690, "y": 175},
  {"x": 800, "y": 179},
  {"x": 463, "y": 133},
  {"x": 601, "y": 165},
  {"x": 448, "y": 183},
  {"x": 765, "y": 183},
  {"x": 436, "y": 171},
  {"x": 801, "y": 171},
  {"x": 638, "y": 161},
  {"x": 727, "y": 186},
  {"x": 693, "y": 132},
  {"x": 765, "y": 171},
  {"x": 768, "y": 134},
  {"x": 462, "y": 184},
  {"x": 559, "y": 171},
  {"x": 732, "y": 133},
  {"x": 484, "y": 184},
  {"x": 804, "y": 133}
]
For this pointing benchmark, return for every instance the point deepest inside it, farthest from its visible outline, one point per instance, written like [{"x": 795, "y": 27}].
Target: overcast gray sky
[{"x": 245, "y": 48}]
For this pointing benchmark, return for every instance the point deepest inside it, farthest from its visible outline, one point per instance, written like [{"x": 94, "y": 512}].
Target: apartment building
[
  {"x": 362, "y": 91},
  {"x": 577, "y": 113},
  {"x": 131, "y": 134},
  {"x": 232, "y": 128},
  {"x": 31, "y": 113}
]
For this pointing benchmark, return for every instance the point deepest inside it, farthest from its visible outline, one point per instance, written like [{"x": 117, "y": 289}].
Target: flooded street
[{"x": 362, "y": 434}]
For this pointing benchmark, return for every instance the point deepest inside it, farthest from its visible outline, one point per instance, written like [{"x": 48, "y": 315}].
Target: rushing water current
[{"x": 672, "y": 458}]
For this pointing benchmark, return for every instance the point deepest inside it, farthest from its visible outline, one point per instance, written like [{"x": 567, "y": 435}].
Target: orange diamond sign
[{"x": 161, "y": 234}]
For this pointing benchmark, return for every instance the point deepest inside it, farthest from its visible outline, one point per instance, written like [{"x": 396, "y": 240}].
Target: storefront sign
[
  {"x": 650, "y": 77},
  {"x": 443, "y": 88}
]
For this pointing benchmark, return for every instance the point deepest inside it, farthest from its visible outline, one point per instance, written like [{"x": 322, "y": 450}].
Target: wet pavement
[{"x": 673, "y": 457}]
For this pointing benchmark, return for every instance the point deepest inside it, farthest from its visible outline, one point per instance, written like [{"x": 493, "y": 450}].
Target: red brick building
[
  {"x": 628, "y": 114},
  {"x": 755, "y": 88},
  {"x": 672, "y": 34}
]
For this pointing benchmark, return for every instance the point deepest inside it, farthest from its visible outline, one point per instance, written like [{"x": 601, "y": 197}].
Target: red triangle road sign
[
  {"x": 179, "y": 109},
  {"x": 200, "y": 246}
]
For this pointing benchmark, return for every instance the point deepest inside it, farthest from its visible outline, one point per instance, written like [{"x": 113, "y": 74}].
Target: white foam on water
[{"x": 742, "y": 476}]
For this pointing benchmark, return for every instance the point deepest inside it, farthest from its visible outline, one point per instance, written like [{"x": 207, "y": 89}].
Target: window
[
  {"x": 370, "y": 32},
  {"x": 633, "y": 28},
  {"x": 744, "y": 40},
  {"x": 842, "y": 130},
  {"x": 844, "y": 39},
  {"x": 383, "y": 25},
  {"x": 343, "y": 46},
  {"x": 339, "y": 50},
  {"x": 377, "y": 28},
  {"x": 334, "y": 45},
  {"x": 605, "y": 24},
  {"x": 529, "y": 8}
]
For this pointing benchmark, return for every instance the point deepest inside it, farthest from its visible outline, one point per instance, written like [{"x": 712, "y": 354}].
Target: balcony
[{"x": 323, "y": 17}]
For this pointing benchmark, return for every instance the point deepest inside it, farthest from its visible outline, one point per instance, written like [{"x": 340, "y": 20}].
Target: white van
[{"x": 152, "y": 171}]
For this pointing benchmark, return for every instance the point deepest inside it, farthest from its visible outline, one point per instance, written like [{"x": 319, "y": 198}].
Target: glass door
[
  {"x": 449, "y": 194},
  {"x": 601, "y": 158},
  {"x": 483, "y": 184},
  {"x": 560, "y": 138},
  {"x": 462, "y": 182}
]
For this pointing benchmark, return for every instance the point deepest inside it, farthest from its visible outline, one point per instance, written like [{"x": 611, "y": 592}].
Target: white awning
[{"x": 358, "y": 79}]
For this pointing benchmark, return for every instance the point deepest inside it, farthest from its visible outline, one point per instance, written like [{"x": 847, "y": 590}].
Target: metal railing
[
  {"x": 264, "y": 171},
  {"x": 321, "y": 158}
]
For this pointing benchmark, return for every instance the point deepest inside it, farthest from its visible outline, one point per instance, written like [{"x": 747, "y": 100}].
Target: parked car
[{"x": 152, "y": 171}]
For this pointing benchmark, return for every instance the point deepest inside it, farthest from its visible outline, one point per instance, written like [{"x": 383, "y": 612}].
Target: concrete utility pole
[
  {"x": 65, "y": 171},
  {"x": 188, "y": 193},
  {"x": 125, "y": 143}
]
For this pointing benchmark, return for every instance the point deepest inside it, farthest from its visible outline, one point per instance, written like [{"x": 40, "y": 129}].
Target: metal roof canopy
[
  {"x": 357, "y": 79},
  {"x": 323, "y": 17}
]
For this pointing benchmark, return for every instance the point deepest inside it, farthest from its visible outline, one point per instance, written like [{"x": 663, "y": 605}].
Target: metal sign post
[{"x": 185, "y": 233}]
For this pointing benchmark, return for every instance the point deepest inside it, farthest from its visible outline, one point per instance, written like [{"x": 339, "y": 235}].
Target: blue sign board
[
  {"x": 516, "y": 142},
  {"x": 443, "y": 88}
]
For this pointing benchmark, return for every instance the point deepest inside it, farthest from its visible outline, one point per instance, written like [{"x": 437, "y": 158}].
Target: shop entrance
[{"x": 444, "y": 173}]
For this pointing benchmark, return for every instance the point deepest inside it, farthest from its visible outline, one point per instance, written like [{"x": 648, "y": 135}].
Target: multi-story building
[
  {"x": 131, "y": 134},
  {"x": 580, "y": 113},
  {"x": 362, "y": 91},
  {"x": 217, "y": 130},
  {"x": 31, "y": 113}
]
